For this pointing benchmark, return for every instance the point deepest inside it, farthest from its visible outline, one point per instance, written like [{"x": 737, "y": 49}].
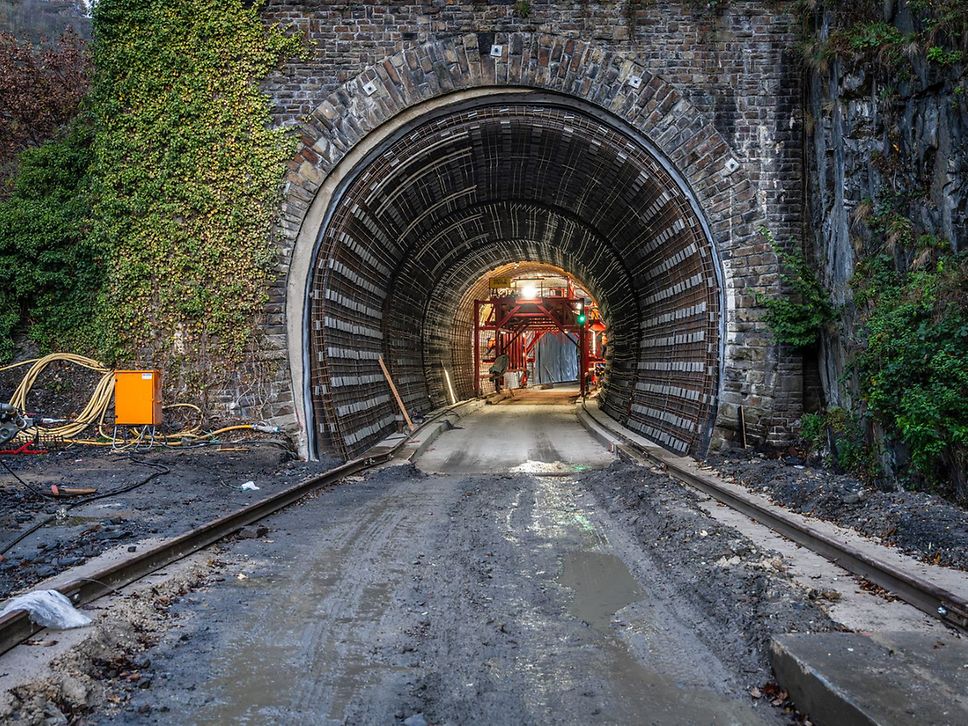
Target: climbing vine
[
  {"x": 187, "y": 170},
  {"x": 797, "y": 316}
]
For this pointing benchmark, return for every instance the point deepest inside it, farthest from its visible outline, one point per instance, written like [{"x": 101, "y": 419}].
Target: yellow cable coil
[
  {"x": 97, "y": 407},
  {"x": 94, "y": 410}
]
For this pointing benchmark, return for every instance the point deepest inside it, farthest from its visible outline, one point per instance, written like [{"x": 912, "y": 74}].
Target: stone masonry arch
[{"x": 355, "y": 125}]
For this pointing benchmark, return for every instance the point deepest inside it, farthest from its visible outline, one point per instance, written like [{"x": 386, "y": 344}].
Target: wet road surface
[
  {"x": 519, "y": 435},
  {"x": 464, "y": 597}
]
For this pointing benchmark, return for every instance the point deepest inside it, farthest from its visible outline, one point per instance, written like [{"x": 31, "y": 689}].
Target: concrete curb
[
  {"x": 608, "y": 439},
  {"x": 848, "y": 679},
  {"x": 419, "y": 445}
]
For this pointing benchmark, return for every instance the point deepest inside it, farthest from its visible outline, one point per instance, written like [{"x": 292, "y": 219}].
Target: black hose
[
  {"x": 27, "y": 487},
  {"x": 14, "y": 474},
  {"x": 160, "y": 469}
]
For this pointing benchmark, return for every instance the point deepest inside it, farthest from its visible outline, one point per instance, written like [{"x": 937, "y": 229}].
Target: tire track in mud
[
  {"x": 535, "y": 658},
  {"x": 346, "y": 608},
  {"x": 323, "y": 592},
  {"x": 499, "y": 599},
  {"x": 361, "y": 619}
]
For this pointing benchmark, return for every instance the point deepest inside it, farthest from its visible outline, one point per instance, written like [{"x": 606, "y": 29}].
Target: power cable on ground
[{"x": 160, "y": 469}]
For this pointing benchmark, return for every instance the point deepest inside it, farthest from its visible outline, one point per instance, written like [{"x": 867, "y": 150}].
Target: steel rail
[
  {"x": 16, "y": 626},
  {"x": 908, "y": 586}
]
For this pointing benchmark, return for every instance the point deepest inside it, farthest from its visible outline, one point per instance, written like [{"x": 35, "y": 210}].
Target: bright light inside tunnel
[{"x": 534, "y": 325}]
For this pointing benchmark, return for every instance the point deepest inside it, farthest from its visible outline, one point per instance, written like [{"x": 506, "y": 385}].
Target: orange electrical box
[{"x": 137, "y": 398}]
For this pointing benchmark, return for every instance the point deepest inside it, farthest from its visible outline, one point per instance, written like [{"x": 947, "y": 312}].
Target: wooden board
[{"x": 396, "y": 394}]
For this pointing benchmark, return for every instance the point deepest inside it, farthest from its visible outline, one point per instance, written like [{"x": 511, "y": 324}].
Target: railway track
[
  {"x": 927, "y": 596},
  {"x": 15, "y": 627},
  {"x": 919, "y": 592}
]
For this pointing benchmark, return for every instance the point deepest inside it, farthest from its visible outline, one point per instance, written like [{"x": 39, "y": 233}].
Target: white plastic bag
[{"x": 48, "y": 608}]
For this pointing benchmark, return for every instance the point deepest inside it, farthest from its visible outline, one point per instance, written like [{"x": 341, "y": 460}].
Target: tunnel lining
[{"x": 567, "y": 106}]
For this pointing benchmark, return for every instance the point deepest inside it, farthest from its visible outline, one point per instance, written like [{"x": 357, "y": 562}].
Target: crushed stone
[{"x": 104, "y": 671}]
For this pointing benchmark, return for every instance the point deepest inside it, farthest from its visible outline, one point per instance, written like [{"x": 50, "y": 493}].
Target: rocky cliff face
[
  {"x": 886, "y": 105},
  {"x": 880, "y": 135}
]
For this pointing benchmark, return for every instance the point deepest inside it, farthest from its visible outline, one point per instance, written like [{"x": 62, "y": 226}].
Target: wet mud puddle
[{"x": 607, "y": 597}]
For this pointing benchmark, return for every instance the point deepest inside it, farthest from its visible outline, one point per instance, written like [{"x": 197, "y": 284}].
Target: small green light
[{"x": 581, "y": 319}]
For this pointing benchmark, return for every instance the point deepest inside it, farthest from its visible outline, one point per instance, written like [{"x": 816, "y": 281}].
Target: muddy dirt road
[{"x": 447, "y": 598}]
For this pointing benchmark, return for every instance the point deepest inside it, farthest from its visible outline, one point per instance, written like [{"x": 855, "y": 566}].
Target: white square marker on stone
[
  {"x": 497, "y": 51},
  {"x": 635, "y": 81},
  {"x": 369, "y": 88}
]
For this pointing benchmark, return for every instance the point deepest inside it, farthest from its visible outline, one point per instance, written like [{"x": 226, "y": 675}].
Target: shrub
[
  {"x": 51, "y": 272},
  {"x": 839, "y": 435},
  {"x": 914, "y": 366},
  {"x": 40, "y": 90},
  {"x": 797, "y": 316}
]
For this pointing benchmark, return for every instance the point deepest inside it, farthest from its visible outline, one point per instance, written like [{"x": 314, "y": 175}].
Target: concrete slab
[
  {"x": 843, "y": 679},
  {"x": 535, "y": 431}
]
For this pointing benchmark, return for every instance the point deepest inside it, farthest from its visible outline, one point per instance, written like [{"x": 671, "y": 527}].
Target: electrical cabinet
[{"x": 137, "y": 398}]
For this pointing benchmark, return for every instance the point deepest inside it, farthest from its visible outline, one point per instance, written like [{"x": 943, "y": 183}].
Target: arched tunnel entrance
[{"x": 496, "y": 181}]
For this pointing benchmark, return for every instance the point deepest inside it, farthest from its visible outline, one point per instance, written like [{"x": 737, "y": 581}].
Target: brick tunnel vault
[
  {"x": 405, "y": 194},
  {"x": 495, "y": 182}
]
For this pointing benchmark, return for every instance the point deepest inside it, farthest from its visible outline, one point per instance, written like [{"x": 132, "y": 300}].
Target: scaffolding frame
[{"x": 520, "y": 324}]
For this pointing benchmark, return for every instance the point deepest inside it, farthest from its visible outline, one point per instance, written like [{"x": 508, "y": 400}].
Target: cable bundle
[
  {"x": 97, "y": 407},
  {"x": 93, "y": 412}
]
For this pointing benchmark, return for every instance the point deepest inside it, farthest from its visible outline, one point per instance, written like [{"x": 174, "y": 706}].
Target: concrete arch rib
[{"x": 356, "y": 125}]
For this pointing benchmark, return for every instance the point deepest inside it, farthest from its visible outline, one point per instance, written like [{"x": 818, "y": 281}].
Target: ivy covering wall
[
  {"x": 187, "y": 173},
  {"x": 142, "y": 233}
]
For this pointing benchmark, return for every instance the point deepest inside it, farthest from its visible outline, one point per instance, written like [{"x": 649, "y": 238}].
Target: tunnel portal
[{"x": 447, "y": 199}]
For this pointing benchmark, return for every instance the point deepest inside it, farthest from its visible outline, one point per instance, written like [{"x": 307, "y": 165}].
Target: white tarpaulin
[
  {"x": 557, "y": 359},
  {"x": 47, "y": 608}
]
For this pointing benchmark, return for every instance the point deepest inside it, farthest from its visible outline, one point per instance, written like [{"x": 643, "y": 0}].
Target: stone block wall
[{"x": 737, "y": 66}]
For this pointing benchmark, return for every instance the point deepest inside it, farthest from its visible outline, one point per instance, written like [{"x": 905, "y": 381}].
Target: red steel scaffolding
[{"x": 518, "y": 326}]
